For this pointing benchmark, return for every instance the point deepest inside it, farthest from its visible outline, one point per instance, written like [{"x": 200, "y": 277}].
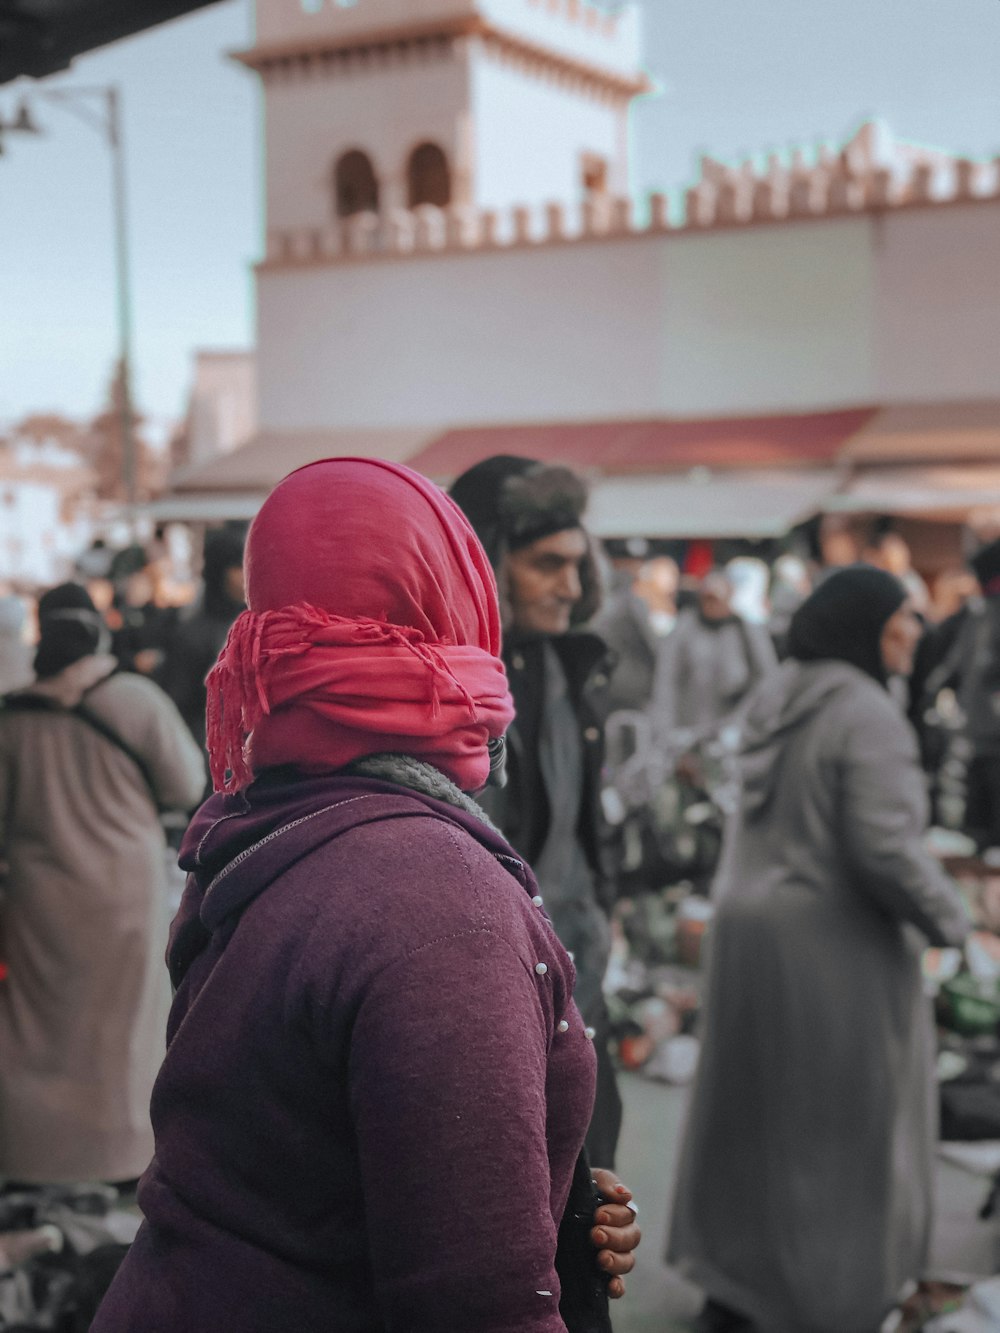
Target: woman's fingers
[
  {"x": 615, "y": 1216},
  {"x": 616, "y": 1240},
  {"x": 616, "y": 1233},
  {"x": 610, "y": 1186}
]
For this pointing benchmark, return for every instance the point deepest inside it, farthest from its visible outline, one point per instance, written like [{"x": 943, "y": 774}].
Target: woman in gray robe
[{"x": 803, "y": 1200}]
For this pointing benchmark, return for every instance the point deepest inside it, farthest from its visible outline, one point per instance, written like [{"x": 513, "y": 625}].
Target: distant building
[
  {"x": 222, "y": 407},
  {"x": 384, "y": 106},
  {"x": 454, "y": 267},
  {"x": 46, "y": 507}
]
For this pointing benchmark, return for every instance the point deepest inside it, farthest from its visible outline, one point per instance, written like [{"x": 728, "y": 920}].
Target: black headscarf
[
  {"x": 843, "y": 620},
  {"x": 70, "y": 627}
]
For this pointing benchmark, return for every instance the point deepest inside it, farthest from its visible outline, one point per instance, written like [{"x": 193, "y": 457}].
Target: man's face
[
  {"x": 715, "y": 597},
  {"x": 544, "y": 582},
  {"x": 899, "y": 640}
]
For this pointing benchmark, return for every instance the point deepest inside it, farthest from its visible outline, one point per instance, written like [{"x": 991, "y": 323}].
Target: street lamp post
[{"x": 106, "y": 118}]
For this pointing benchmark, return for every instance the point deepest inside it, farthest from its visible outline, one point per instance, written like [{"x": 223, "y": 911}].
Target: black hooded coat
[{"x": 200, "y": 636}]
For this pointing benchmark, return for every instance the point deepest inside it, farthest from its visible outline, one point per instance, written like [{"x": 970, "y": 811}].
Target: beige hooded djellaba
[
  {"x": 83, "y": 921},
  {"x": 804, "y": 1194}
]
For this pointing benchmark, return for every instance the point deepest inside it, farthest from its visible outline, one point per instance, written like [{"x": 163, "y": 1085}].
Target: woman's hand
[{"x": 616, "y": 1233}]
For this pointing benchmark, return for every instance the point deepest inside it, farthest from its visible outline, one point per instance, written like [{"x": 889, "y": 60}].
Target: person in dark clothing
[
  {"x": 963, "y": 653},
  {"x": 143, "y": 629},
  {"x": 529, "y": 519},
  {"x": 979, "y": 698},
  {"x": 198, "y": 638}
]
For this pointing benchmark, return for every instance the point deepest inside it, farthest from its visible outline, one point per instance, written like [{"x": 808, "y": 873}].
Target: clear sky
[{"x": 736, "y": 78}]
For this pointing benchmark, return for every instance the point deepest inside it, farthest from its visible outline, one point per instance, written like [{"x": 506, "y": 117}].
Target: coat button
[
  {"x": 563, "y": 1026},
  {"x": 591, "y": 734},
  {"x": 541, "y": 969},
  {"x": 537, "y": 900},
  {"x": 590, "y": 1033}
]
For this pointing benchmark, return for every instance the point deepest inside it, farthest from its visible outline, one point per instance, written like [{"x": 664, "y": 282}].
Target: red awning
[{"x": 664, "y": 445}]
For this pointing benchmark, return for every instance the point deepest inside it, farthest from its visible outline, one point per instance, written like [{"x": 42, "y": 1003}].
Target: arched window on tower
[
  {"x": 594, "y": 173},
  {"x": 428, "y": 177},
  {"x": 355, "y": 185}
]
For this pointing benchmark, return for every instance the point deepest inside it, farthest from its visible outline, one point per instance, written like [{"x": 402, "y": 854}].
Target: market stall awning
[
  {"x": 204, "y": 507},
  {"x": 947, "y": 492},
  {"x": 653, "y": 446},
  {"x": 260, "y": 464},
  {"x": 956, "y": 432},
  {"x": 703, "y": 504}
]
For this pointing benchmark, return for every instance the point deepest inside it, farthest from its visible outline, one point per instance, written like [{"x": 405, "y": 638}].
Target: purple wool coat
[{"x": 376, "y": 1084}]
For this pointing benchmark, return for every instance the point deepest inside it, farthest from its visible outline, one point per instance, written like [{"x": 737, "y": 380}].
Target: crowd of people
[
  {"x": 689, "y": 652},
  {"x": 419, "y": 743}
]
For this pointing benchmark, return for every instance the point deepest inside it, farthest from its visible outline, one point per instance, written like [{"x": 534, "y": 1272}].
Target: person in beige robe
[{"x": 88, "y": 757}]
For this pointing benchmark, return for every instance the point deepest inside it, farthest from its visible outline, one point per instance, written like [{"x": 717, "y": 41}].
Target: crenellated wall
[
  {"x": 722, "y": 199},
  {"x": 861, "y": 276}
]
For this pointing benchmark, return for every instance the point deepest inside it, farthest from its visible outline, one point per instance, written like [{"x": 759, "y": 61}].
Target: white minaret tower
[{"x": 373, "y": 106}]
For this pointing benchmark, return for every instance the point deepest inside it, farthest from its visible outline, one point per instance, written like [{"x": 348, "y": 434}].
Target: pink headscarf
[{"x": 372, "y": 626}]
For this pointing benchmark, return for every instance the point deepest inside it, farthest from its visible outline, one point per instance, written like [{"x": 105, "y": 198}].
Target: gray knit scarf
[{"x": 405, "y": 771}]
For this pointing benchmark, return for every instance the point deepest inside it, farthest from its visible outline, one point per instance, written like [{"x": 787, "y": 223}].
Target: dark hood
[
  {"x": 223, "y": 551},
  {"x": 843, "y": 618},
  {"x": 783, "y": 702},
  {"x": 270, "y": 826}
]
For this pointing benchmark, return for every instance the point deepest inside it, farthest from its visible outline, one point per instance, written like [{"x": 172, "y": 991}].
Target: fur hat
[{"x": 512, "y": 502}]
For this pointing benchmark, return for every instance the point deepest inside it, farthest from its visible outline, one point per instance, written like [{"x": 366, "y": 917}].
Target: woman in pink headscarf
[{"x": 373, "y": 1027}]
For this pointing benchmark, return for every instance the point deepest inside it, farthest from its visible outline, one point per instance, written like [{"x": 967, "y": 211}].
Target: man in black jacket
[
  {"x": 201, "y": 633},
  {"x": 963, "y": 652},
  {"x": 529, "y": 518}
]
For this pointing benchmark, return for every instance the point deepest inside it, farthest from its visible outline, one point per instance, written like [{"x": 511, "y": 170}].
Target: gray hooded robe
[{"x": 803, "y": 1199}]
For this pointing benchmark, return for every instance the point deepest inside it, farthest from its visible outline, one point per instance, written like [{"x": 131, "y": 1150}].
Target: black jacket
[{"x": 521, "y": 809}]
